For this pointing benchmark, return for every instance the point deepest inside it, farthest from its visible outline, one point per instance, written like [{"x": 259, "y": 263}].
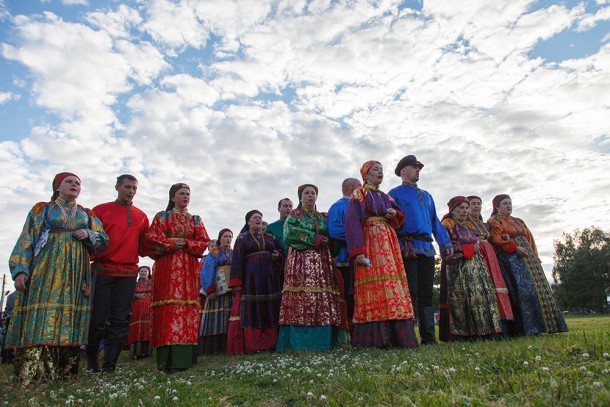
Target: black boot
[
  {"x": 111, "y": 356},
  {"x": 92, "y": 354},
  {"x": 426, "y": 326}
]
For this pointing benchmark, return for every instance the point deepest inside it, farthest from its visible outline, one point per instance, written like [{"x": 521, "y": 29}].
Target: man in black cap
[{"x": 416, "y": 237}]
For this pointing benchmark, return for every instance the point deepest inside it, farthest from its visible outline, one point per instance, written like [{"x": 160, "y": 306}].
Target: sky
[{"x": 246, "y": 100}]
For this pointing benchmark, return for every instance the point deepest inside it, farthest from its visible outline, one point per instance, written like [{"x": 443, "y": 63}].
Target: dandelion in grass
[
  {"x": 605, "y": 371},
  {"x": 157, "y": 398},
  {"x": 585, "y": 355},
  {"x": 322, "y": 397},
  {"x": 583, "y": 369},
  {"x": 526, "y": 364},
  {"x": 175, "y": 399},
  {"x": 597, "y": 385},
  {"x": 538, "y": 358},
  {"x": 544, "y": 369},
  {"x": 606, "y": 355}
]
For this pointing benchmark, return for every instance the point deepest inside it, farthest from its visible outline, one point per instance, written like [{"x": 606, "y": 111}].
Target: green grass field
[{"x": 549, "y": 370}]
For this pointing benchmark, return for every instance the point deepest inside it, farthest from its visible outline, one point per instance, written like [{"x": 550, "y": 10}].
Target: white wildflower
[
  {"x": 157, "y": 397},
  {"x": 309, "y": 394},
  {"x": 597, "y": 384},
  {"x": 322, "y": 397},
  {"x": 477, "y": 369},
  {"x": 538, "y": 358},
  {"x": 451, "y": 370},
  {"x": 585, "y": 355},
  {"x": 606, "y": 355},
  {"x": 583, "y": 369},
  {"x": 605, "y": 371},
  {"x": 544, "y": 369},
  {"x": 175, "y": 399},
  {"x": 526, "y": 364}
]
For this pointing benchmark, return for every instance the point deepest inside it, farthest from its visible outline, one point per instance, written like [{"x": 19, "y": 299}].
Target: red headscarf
[
  {"x": 366, "y": 167},
  {"x": 58, "y": 179},
  {"x": 457, "y": 201},
  {"x": 496, "y": 202}
]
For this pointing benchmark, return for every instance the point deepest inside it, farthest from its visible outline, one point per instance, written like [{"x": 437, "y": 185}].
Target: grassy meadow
[{"x": 548, "y": 370}]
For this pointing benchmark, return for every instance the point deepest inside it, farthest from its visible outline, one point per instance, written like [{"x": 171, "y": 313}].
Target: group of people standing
[{"x": 310, "y": 281}]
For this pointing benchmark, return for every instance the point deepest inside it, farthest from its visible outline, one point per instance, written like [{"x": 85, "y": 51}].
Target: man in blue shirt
[
  {"x": 416, "y": 237},
  {"x": 336, "y": 230}
]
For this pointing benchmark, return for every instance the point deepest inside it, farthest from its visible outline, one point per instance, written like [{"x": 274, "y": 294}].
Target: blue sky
[{"x": 246, "y": 100}]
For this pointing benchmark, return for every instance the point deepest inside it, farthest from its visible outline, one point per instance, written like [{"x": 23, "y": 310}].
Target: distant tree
[{"x": 582, "y": 270}]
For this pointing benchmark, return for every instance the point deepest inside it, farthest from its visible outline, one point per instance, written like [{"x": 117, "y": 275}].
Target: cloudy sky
[{"x": 245, "y": 100}]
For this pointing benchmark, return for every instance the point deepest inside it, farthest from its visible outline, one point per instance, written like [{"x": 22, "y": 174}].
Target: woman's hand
[
  {"x": 159, "y": 251},
  {"x": 20, "y": 281},
  {"x": 521, "y": 252},
  {"x": 180, "y": 243},
  {"x": 324, "y": 242},
  {"x": 80, "y": 234},
  {"x": 212, "y": 296},
  {"x": 361, "y": 259},
  {"x": 390, "y": 213},
  {"x": 275, "y": 255},
  {"x": 505, "y": 237}
]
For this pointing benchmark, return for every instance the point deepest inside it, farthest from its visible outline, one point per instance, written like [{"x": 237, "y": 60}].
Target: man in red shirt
[{"x": 115, "y": 271}]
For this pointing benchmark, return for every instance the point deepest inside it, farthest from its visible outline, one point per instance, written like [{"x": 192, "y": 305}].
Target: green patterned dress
[{"x": 51, "y": 318}]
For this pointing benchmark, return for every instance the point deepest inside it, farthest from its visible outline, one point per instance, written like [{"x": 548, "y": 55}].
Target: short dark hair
[
  {"x": 121, "y": 178},
  {"x": 279, "y": 204}
]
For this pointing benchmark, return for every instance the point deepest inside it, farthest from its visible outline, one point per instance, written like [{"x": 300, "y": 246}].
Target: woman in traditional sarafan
[
  {"x": 383, "y": 312},
  {"x": 255, "y": 277},
  {"x": 469, "y": 308},
  {"x": 215, "y": 277},
  {"x": 534, "y": 306},
  {"x": 310, "y": 314},
  {"x": 51, "y": 268},
  {"x": 139, "y": 324},
  {"x": 180, "y": 239},
  {"x": 488, "y": 253}
]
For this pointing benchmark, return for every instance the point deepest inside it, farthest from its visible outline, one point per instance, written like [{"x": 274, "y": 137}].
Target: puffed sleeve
[{"x": 23, "y": 252}]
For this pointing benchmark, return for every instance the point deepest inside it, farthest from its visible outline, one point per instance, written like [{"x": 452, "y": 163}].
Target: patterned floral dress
[
  {"x": 493, "y": 266},
  {"x": 311, "y": 310},
  {"x": 139, "y": 324},
  {"x": 469, "y": 307},
  {"x": 215, "y": 277},
  {"x": 383, "y": 312},
  {"x": 175, "y": 306},
  {"x": 534, "y": 306},
  {"x": 51, "y": 318}
]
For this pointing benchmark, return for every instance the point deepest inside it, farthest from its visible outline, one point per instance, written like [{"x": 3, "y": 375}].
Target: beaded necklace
[
  {"x": 70, "y": 219},
  {"x": 256, "y": 240}
]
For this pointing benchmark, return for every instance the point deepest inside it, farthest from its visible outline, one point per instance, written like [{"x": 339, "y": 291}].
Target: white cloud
[
  {"x": 8, "y": 96},
  {"x": 175, "y": 25},
  {"x": 298, "y": 91},
  {"x": 591, "y": 20},
  {"x": 116, "y": 23}
]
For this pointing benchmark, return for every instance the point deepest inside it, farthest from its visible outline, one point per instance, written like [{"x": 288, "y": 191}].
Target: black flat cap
[{"x": 408, "y": 160}]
